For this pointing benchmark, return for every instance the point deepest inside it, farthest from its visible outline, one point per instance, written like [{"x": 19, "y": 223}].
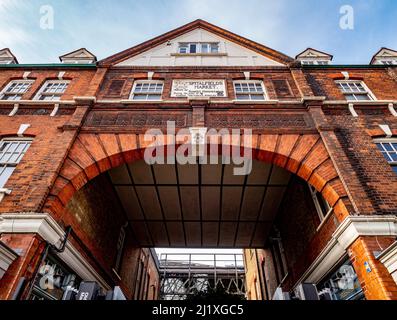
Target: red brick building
[{"x": 79, "y": 203}]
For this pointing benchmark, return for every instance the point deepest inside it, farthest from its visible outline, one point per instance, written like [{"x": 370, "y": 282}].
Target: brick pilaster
[{"x": 377, "y": 282}]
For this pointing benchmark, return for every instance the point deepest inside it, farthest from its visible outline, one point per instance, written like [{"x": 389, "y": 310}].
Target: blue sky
[{"x": 106, "y": 27}]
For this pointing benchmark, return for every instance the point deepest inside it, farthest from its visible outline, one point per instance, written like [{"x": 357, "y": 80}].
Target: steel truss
[{"x": 184, "y": 274}]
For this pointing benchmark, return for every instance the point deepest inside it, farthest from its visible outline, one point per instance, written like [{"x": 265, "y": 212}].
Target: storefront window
[
  {"x": 53, "y": 279},
  {"x": 342, "y": 284}
]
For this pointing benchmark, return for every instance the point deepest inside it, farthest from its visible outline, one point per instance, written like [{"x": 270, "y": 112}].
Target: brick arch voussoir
[{"x": 324, "y": 181}]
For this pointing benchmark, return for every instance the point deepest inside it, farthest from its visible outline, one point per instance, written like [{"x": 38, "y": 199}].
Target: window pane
[
  {"x": 139, "y": 97},
  {"x": 393, "y": 156},
  {"x": 386, "y": 155},
  {"x": 257, "y": 97},
  {"x": 394, "y": 169},
  {"x": 380, "y": 146},
  {"x": 387, "y": 146},
  {"x": 242, "y": 97},
  {"x": 362, "y": 97},
  {"x": 204, "y": 48},
  {"x": 5, "y": 173},
  {"x": 350, "y": 97},
  {"x": 193, "y": 48},
  {"x": 154, "y": 97},
  {"x": 214, "y": 48}
]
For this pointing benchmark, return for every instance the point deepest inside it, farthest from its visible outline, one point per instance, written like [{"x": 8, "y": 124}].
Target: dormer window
[
  {"x": 314, "y": 57},
  {"x": 389, "y": 62},
  {"x": 385, "y": 56},
  {"x": 6, "y": 57},
  {"x": 82, "y": 56},
  {"x": 199, "y": 47},
  {"x": 315, "y": 62}
]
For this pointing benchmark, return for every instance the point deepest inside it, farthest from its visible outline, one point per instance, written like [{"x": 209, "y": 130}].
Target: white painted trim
[
  {"x": 7, "y": 257},
  {"x": 3, "y": 192},
  {"x": 361, "y": 102},
  {"x": 389, "y": 259},
  {"x": 55, "y": 110},
  {"x": 136, "y": 82},
  {"x": 14, "y": 110},
  {"x": 26, "y": 75},
  {"x": 37, "y": 102},
  {"x": 44, "y": 86},
  {"x": 22, "y": 128},
  {"x": 343, "y": 237},
  {"x": 44, "y": 225},
  {"x": 386, "y": 129},
  {"x": 345, "y": 74},
  {"x": 352, "y": 111},
  {"x": 392, "y": 110},
  {"x": 61, "y": 74}
]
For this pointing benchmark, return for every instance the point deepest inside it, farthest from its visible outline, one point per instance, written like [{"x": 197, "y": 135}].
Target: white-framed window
[
  {"x": 315, "y": 62},
  {"x": 15, "y": 89},
  {"x": 52, "y": 90},
  {"x": 250, "y": 90},
  {"x": 198, "y": 47},
  {"x": 147, "y": 90},
  {"x": 388, "y": 147},
  {"x": 354, "y": 90},
  {"x": 11, "y": 153},
  {"x": 322, "y": 206}
]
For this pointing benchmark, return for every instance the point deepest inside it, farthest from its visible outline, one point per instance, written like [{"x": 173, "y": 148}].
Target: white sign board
[{"x": 198, "y": 88}]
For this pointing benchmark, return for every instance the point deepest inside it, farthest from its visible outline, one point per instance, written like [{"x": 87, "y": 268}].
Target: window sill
[
  {"x": 198, "y": 54},
  {"x": 3, "y": 192},
  {"x": 140, "y": 101},
  {"x": 37, "y": 102},
  {"x": 254, "y": 101},
  {"x": 363, "y": 102}
]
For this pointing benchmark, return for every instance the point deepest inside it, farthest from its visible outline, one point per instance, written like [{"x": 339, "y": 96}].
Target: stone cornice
[
  {"x": 45, "y": 226},
  {"x": 344, "y": 236}
]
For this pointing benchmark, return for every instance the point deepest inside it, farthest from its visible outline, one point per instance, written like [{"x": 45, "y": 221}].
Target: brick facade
[{"x": 306, "y": 128}]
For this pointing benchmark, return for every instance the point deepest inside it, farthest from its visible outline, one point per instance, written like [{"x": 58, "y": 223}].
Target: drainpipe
[{"x": 44, "y": 255}]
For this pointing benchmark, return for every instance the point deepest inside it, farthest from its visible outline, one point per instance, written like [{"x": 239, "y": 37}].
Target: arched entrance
[{"x": 188, "y": 206}]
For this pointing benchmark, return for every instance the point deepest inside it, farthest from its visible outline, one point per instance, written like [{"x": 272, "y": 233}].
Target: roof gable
[
  {"x": 384, "y": 53},
  {"x": 272, "y": 56},
  {"x": 6, "y": 57},
  {"x": 311, "y": 53},
  {"x": 81, "y": 55}
]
